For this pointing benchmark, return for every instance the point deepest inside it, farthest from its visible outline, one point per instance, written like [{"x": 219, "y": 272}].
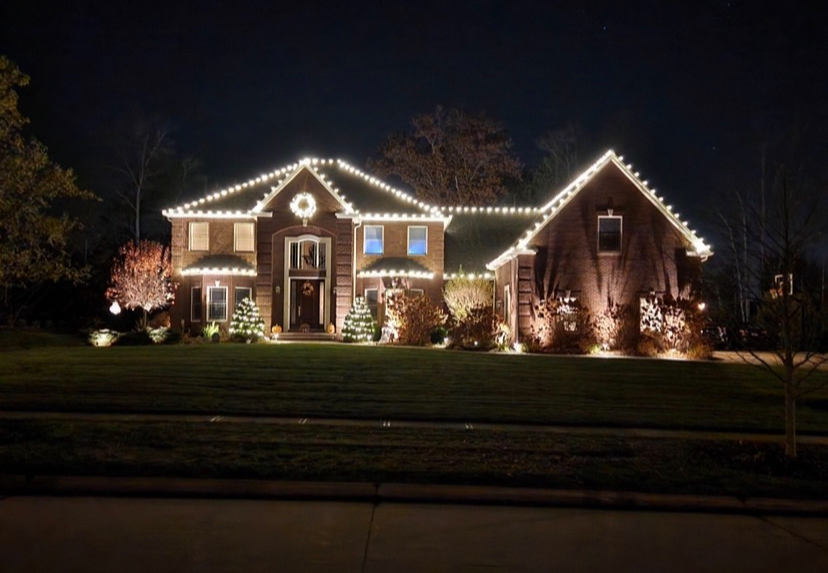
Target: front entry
[{"x": 307, "y": 304}]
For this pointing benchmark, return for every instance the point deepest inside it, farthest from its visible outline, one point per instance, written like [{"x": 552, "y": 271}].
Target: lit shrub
[
  {"x": 478, "y": 330},
  {"x": 211, "y": 332},
  {"x": 616, "y": 328},
  {"x": 160, "y": 319},
  {"x": 464, "y": 293},
  {"x": 672, "y": 326},
  {"x": 103, "y": 338},
  {"x": 159, "y": 335},
  {"x": 561, "y": 325},
  {"x": 417, "y": 317}
]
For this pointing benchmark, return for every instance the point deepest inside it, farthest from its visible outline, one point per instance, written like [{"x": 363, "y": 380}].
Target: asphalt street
[{"x": 89, "y": 534}]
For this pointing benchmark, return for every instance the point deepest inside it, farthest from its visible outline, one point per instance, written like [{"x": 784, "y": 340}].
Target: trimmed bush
[
  {"x": 103, "y": 338},
  {"x": 417, "y": 316},
  {"x": 562, "y": 325},
  {"x": 477, "y": 331}
]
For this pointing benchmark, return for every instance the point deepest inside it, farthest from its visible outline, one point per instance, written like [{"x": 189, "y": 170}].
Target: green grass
[
  {"x": 400, "y": 383},
  {"x": 399, "y": 455},
  {"x": 14, "y": 339}
]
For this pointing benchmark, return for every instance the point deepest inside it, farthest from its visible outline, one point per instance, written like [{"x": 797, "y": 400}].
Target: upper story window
[
  {"x": 373, "y": 239},
  {"x": 308, "y": 254},
  {"x": 417, "y": 240},
  {"x": 609, "y": 233},
  {"x": 199, "y": 236},
  {"x": 243, "y": 237}
]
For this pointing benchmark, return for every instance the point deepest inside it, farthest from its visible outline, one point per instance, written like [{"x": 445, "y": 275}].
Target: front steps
[{"x": 305, "y": 337}]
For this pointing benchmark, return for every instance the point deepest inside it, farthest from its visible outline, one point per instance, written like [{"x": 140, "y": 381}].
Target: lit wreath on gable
[{"x": 303, "y": 206}]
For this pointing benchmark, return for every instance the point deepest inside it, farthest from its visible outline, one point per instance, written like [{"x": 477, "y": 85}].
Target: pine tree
[
  {"x": 359, "y": 324},
  {"x": 247, "y": 323}
]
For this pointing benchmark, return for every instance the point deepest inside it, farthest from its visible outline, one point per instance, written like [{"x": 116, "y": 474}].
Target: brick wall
[
  {"x": 395, "y": 244},
  {"x": 652, "y": 257}
]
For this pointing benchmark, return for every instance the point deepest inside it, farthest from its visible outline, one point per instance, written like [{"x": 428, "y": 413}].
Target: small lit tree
[
  {"x": 141, "y": 278},
  {"x": 359, "y": 323},
  {"x": 247, "y": 323}
]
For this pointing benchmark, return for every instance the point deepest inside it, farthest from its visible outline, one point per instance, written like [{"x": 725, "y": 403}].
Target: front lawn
[
  {"x": 400, "y": 455},
  {"x": 346, "y": 381}
]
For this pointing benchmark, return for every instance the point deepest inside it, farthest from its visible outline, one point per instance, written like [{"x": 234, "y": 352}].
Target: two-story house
[{"x": 305, "y": 239}]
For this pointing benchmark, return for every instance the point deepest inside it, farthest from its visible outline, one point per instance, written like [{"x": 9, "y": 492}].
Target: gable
[
  {"x": 303, "y": 180},
  {"x": 607, "y": 177},
  {"x": 355, "y": 192}
]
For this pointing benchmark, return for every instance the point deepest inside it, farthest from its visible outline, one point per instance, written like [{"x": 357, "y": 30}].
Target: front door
[{"x": 307, "y": 300}]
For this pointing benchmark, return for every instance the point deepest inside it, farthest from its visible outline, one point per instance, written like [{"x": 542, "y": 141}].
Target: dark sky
[{"x": 687, "y": 91}]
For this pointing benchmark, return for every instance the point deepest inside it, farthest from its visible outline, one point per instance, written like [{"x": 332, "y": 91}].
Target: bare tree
[
  {"x": 450, "y": 157},
  {"x": 559, "y": 165},
  {"x": 771, "y": 239},
  {"x": 143, "y": 157}
]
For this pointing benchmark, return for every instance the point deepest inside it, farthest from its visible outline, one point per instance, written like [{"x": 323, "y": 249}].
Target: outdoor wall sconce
[{"x": 277, "y": 289}]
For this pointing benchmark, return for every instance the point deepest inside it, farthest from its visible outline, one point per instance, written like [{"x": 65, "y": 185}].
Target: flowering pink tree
[{"x": 141, "y": 277}]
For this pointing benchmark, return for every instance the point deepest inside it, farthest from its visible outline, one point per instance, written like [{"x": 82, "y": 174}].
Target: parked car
[
  {"x": 749, "y": 336},
  {"x": 716, "y": 336}
]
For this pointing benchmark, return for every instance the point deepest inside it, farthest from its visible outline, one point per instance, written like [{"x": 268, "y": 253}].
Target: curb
[{"x": 11, "y": 485}]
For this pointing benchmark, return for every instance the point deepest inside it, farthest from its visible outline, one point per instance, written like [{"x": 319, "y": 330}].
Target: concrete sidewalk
[
  {"x": 86, "y": 534},
  {"x": 649, "y": 433},
  {"x": 15, "y": 485}
]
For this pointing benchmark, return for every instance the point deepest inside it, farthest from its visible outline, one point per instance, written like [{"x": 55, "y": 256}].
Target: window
[
  {"x": 373, "y": 239},
  {"x": 217, "y": 303},
  {"x": 243, "y": 237},
  {"x": 199, "y": 236},
  {"x": 609, "y": 234},
  {"x": 372, "y": 300},
  {"x": 195, "y": 304},
  {"x": 307, "y": 254},
  {"x": 241, "y": 294},
  {"x": 418, "y": 240},
  {"x": 779, "y": 285},
  {"x": 412, "y": 292}
]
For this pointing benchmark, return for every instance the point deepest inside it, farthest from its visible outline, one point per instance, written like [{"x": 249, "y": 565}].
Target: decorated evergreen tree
[
  {"x": 247, "y": 323},
  {"x": 359, "y": 324}
]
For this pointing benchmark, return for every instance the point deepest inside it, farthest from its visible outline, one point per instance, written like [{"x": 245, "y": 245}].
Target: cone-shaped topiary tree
[
  {"x": 359, "y": 324},
  {"x": 247, "y": 323}
]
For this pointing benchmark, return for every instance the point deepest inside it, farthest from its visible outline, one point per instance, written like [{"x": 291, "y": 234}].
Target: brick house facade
[{"x": 304, "y": 240}]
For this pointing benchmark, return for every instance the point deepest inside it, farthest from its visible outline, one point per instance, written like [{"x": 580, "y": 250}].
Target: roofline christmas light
[
  {"x": 395, "y": 273},
  {"x": 553, "y": 207},
  {"x": 236, "y": 271}
]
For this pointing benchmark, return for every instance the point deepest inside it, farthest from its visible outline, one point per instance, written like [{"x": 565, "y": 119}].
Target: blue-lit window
[
  {"x": 373, "y": 239},
  {"x": 418, "y": 240}
]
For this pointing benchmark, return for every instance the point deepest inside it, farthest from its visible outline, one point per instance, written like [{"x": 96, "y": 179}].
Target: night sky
[{"x": 687, "y": 91}]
